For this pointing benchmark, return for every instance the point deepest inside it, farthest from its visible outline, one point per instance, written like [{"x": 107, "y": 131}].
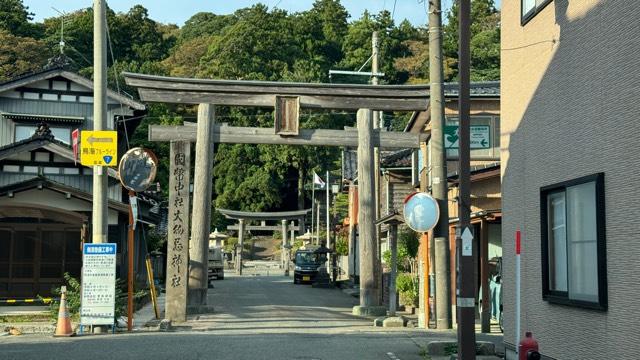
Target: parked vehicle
[
  {"x": 306, "y": 266},
  {"x": 216, "y": 264}
]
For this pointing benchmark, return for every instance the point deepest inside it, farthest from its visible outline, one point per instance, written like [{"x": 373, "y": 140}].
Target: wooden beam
[
  {"x": 266, "y": 100},
  {"x": 313, "y": 137},
  {"x": 274, "y": 87},
  {"x": 263, "y": 93}
]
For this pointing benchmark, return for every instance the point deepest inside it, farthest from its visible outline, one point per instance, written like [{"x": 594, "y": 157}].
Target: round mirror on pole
[
  {"x": 138, "y": 169},
  {"x": 421, "y": 212}
]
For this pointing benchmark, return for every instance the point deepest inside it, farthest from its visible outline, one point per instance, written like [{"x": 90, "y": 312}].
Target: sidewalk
[{"x": 146, "y": 317}]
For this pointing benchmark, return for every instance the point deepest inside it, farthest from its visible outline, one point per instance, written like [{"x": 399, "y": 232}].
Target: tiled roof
[
  {"x": 475, "y": 169},
  {"x": 477, "y": 89},
  {"x": 399, "y": 158}
]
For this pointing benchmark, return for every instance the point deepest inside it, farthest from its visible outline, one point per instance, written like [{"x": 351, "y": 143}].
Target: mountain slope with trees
[{"x": 254, "y": 43}]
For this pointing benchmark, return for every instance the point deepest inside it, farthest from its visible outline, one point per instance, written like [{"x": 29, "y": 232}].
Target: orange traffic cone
[{"x": 64, "y": 322}]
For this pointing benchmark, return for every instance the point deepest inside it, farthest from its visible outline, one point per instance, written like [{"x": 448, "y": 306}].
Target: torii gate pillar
[
  {"x": 368, "y": 251},
  {"x": 202, "y": 188}
]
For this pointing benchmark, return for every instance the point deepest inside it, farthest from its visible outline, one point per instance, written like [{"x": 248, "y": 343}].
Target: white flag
[{"x": 317, "y": 180}]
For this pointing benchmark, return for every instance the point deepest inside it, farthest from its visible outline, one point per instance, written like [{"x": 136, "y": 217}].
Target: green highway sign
[{"x": 480, "y": 137}]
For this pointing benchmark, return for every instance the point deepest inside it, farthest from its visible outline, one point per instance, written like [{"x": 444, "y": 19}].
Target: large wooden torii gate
[{"x": 286, "y": 99}]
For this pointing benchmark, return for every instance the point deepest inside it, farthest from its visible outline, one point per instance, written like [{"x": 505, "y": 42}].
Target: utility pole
[
  {"x": 313, "y": 203},
  {"x": 99, "y": 209},
  {"x": 439, "y": 169},
  {"x": 377, "y": 270},
  {"x": 464, "y": 239},
  {"x": 328, "y": 221},
  {"x": 318, "y": 223}
]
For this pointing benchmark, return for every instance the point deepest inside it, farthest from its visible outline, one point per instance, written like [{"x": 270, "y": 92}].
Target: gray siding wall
[
  {"x": 5, "y": 131},
  {"x": 569, "y": 109},
  {"x": 12, "y": 178},
  {"x": 80, "y": 182},
  {"x": 56, "y": 108}
]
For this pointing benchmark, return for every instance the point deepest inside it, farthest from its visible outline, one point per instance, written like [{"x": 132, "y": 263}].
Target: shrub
[
  {"x": 407, "y": 286},
  {"x": 342, "y": 247},
  {"x": 74, "y": 298}
]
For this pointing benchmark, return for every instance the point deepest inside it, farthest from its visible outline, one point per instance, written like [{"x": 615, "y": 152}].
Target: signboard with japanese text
[
  {"x": 98, "y": 284},
  {"x": 479, "y": 137},
  {"x": 99, "y": 148},
  {"x": 178, "y": 232}
]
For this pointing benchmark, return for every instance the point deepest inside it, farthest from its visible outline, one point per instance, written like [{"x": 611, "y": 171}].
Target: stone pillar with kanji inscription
[{"x": 178, "y": 232}]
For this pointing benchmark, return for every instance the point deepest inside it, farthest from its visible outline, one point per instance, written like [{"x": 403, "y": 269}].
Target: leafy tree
[
  {"x": 78, "y": 36},
  {"x": 205, "y": 24},
  {"x": 259, "y": 46},
  {"x": 185, "y": 57},
  {"x": 392, "y": 43},
  {"x": 485, "y": 41},
  {"x": 19, "y": 55},
  {"x": 320, "y": 33},
  {"x": 15, "y": 18},
  {"x": 416, "y": 62},
  {"x": 133, "y": 36}
]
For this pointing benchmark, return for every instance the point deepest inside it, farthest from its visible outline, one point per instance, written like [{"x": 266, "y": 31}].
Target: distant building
[
  {"x": 45, "y": 196},
  {"x": 570, "y": 136}
]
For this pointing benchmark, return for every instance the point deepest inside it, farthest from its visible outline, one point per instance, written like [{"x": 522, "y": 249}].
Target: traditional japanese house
[{"x": 45, "y": 194}]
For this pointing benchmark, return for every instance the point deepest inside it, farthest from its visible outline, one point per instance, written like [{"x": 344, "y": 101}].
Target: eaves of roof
[
  {"x": 46, "y": 142},
  {"x": 61, "y": 188},
  {"x": 52, "y": 73}
]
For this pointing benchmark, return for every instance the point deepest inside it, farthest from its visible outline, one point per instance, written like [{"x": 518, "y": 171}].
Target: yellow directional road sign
[{"x": 99, "y": 148}]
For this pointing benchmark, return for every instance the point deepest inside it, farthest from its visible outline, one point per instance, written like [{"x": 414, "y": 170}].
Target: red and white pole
[{"x": 518, "y": 247}]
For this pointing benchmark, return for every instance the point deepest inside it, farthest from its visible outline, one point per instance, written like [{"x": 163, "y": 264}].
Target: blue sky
[{"x": 178, "y": 12}]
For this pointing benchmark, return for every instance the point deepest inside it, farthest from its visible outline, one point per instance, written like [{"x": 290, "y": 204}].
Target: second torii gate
[
  {"x": 287, "y": 99},
  {"x": 283, "y": 216}
]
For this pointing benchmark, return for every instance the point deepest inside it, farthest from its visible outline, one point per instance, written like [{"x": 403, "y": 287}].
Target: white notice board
[{"x": 98, "y": 284}]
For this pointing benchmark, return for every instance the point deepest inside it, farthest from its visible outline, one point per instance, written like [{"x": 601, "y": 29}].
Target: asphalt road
[{"x": 256, "y": 317}]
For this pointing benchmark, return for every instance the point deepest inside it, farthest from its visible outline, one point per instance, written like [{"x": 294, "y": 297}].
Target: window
[
  {"x": 30, "y": 169},
  {"x": 24, "y": 131},
  {"x": 573, "y": 242},
  {"x": 11, "y": 168},
  {"x": 51, "y": 170},
  {"x": 530, "y": 8}
]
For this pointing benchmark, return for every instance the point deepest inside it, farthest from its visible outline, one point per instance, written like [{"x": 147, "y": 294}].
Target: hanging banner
[{"x": 75, "y": 139}]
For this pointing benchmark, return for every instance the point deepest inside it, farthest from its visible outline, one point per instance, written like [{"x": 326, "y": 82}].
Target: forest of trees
[{"x": 254, "y": 43}]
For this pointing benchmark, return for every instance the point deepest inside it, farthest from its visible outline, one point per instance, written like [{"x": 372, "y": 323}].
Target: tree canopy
[{"x": 258, "y": 43}]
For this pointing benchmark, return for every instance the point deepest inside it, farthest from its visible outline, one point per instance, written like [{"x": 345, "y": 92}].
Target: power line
[
  {"x": 393, "y": 13},
  {"x": 113, "y": 64}
]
